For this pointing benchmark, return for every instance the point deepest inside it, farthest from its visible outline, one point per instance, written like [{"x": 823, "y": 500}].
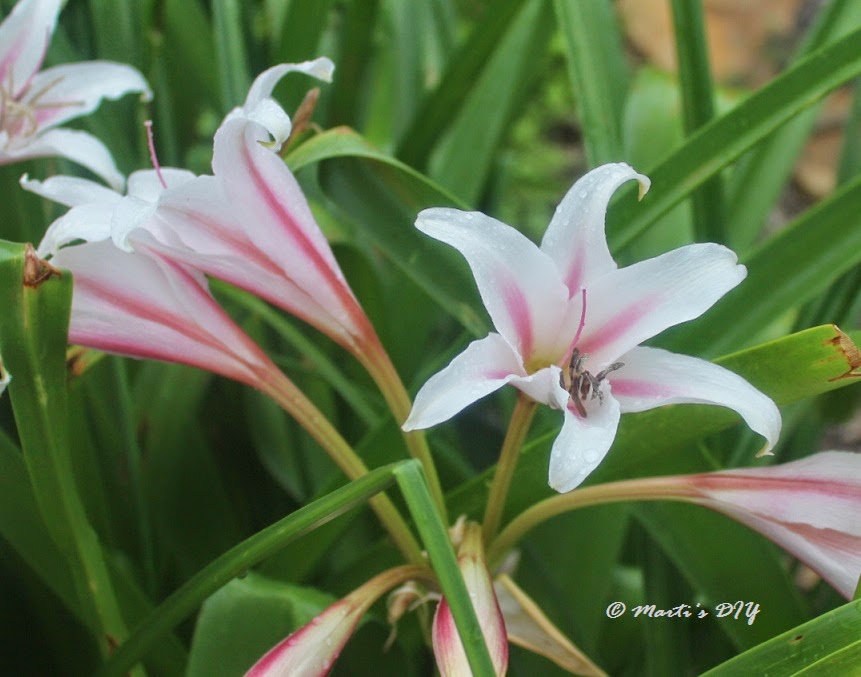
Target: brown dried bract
[
  {"x": 850, "y": 351},
  {"x": 301, "y": 120},
  {"x": 37, "y": 270}
]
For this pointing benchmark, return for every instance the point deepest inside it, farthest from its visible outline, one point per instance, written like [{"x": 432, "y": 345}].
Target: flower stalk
[{"x": 521, "y": 418}]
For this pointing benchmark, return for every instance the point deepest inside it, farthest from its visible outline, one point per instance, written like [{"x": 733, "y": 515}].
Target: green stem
[
  {"x": 376, "y": 360},
  {"x": 672, "y": 488},
  {"x": 521, "y": 417},
  {"x": 281, "y": 389}
]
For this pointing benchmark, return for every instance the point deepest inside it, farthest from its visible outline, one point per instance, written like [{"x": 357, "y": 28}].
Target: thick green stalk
[{"x": 521, "y": 417}]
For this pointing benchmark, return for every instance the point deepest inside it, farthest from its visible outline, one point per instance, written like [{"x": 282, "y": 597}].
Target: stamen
[
  {"x": 582, "y": 319},
  {"x": 153, "y": 157}
]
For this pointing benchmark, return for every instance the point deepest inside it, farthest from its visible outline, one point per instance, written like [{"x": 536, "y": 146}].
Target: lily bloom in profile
[
  {"x": 34, "y": 102},
  {"x": 809, "y": 507},
  {"x": 570, "y": 323}
]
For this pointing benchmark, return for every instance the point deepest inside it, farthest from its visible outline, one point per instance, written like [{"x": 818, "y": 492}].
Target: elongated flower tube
[
  {"x": 570, "y": 322},
  {"x": 249, "y": 224},
  {"x": 34, "y": 102},
  {"x": 448, "y": 649},
  {"x": 810, "y": 507},
  {"x": 312, "y": 650},
  {"x": 143, "y": 304}
]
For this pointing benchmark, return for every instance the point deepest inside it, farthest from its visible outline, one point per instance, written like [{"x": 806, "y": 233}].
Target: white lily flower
[
  {"x": 570, "y": 322},
  {"x": 33, "y": 102}
]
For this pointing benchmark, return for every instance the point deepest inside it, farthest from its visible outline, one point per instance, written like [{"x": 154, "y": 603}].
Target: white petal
[
  {"x": 90, "y": 222},
  {"x": 261, "y": 109},
  {"x": 80, "y": 147},
  {"x": 485, "y": 366},
  {"x": 70, "y": 191},
  {"x": 583, "y": 442},
  {"x": 627, "y": 306},
  {"x": 542, "y": 386},
  {"x": 652, "y": 378},
  {"x": 24, "y": 38},
  {"x": 518, "y": 283},
  {"x": 5, "y": 377},
  {"x": 264, "y": 83},
  {"x": 147, "y": 185},
  {"x": 575, "y": 238},
  {"x": 68, "y": 91}
]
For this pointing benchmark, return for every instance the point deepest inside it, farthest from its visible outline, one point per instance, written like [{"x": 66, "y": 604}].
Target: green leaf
[
  {"x": 698, "y": 109},
  {"x": 463, "y": 160},
  {"x": 440, "y": 104},
  {"x": 791, "y": 268},
  {"x": 33, "y": 335},
  {"x": 239, "y": 559},
  {"x": 381, "y": 196},
  {"x": 596, "y": 66},
  {"x": 828, "y": 645},
  {"x": 435, "y": 537},
  {"x": 230, "y": 52},
  {"x": 720, "y": 142}
]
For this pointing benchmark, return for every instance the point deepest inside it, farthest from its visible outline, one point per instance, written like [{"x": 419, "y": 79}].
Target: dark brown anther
[
  {"x": 581, "y": 381},
  {"x": 37, "y": 270}
]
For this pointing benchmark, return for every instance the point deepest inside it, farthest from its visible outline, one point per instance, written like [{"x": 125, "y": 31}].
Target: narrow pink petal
[
  {"x": 80, "y": 147},
  {"x": 630, "y": 305},
  {"x": 519, "y": 284},
  {"x": 67, "y": 91},
  {"x": 485, "y": 366},
  {"x": 583, "y": 442},
  {"x": 141, "y": 307},
  {"x": 575, "y": 238},
  {"x": 24, "y": 38},
  {"x": 197, "y": 225},
  {"x": 652, "y": 378},
  {"x": 274, "y": 216}
]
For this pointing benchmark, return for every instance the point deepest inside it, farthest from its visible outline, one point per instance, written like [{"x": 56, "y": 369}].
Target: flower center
[
  {"x": 579, "y": 382},
  {"x": 19, "y": 118}
]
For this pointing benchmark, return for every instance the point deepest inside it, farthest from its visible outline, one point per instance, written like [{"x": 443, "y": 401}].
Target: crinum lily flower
[
  {"x": 34, "y": 102},
  {"x": 809, "y": 507},
  {"x": 570, "y": 322}
]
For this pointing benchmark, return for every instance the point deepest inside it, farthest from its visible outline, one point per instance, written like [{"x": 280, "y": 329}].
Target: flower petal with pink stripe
[{"x": 570, "y": 321}]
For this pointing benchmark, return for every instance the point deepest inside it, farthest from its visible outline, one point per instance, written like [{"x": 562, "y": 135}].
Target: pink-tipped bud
[
  {"x": 311, "y": 651},
  {"x": 448, "y": 649}
]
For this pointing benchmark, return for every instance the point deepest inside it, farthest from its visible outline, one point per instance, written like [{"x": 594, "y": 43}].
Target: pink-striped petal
[
  {"x": 628, "y": 306},
  {"x": 24, "y": 38},
  {"x": 583, "y": 442},
  {"x": 448, "y": 649},
  {"x": 67, "y": 91},
  {"x": 809, "y": 507},
  {"x": 519, "y": 284},
  {"x": 575, "y": 238},
  {"x": 141, "y": 306},
  {"x": 653, "y": 378},
  {"x": 260, "y": 108},
  {"x": 79, "y": 147},
  {"x": 485, "y": 366}
]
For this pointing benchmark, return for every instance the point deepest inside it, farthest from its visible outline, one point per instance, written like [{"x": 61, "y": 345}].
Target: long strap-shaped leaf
[
  {"x": 33, "y": 336},
  {"x": 719, "y": 143},
  {"x": 240, "y": 558}
]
